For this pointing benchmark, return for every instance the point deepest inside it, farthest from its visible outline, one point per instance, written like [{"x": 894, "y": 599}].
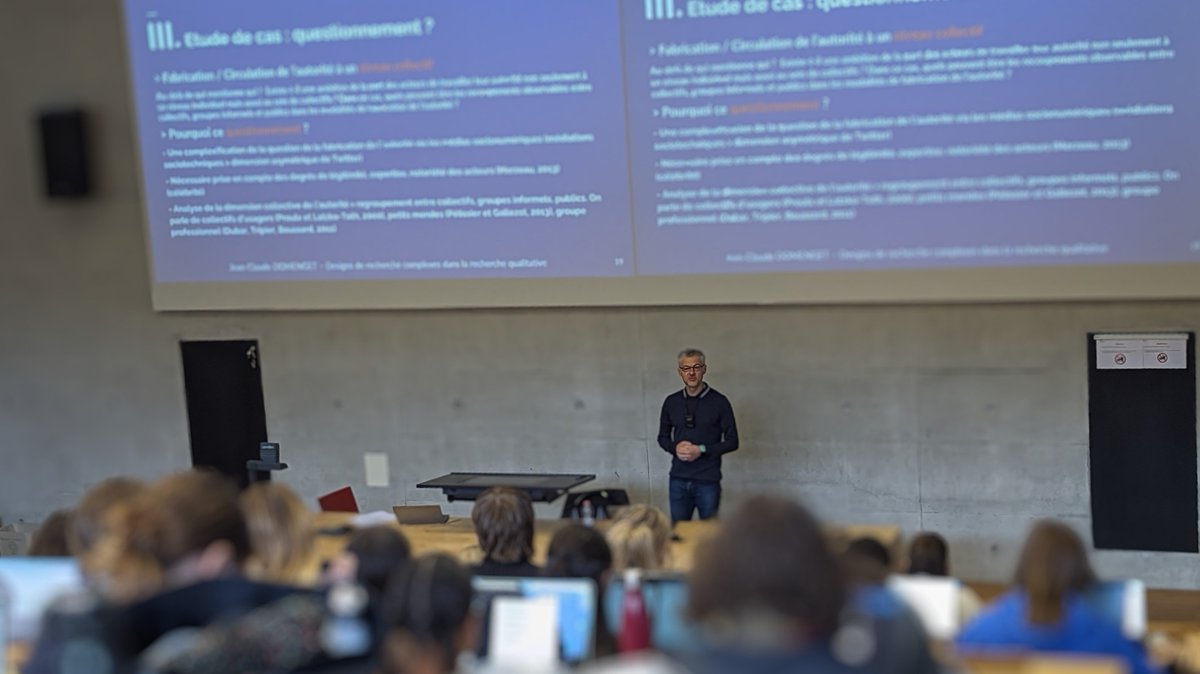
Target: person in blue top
[{"x": 1047, "y": 609}]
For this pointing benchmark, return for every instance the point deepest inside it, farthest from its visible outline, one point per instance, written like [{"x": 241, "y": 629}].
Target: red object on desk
[{"x": 338, "y": 501}]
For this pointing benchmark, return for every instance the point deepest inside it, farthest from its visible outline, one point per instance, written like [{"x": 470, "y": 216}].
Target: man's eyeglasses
[{"x": 691, "y": 368}]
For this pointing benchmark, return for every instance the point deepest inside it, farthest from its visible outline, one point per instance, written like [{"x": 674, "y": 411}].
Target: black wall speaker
[{"x": 64, "y": 153}]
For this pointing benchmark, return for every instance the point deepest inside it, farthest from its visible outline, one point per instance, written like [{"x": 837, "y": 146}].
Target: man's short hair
[
  {"x": 503, "y": 519},
  {"x": 691, "y": 352}
]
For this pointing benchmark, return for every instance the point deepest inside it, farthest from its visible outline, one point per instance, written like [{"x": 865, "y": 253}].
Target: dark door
[
  {"x": 226, "y": 417},
  {"x": 1143, "y": 456}
]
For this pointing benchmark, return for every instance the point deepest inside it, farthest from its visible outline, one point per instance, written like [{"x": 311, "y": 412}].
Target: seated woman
[
  {"x": 640, "y": 538},
  {"x": 1046, "y": 609},
  {"x": 503, "y": 519}
]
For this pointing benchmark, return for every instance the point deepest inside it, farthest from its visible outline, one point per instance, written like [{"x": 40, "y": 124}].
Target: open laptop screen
[
  {"x": 31, "y": 584},
  {"x": 577, "y": 600}
]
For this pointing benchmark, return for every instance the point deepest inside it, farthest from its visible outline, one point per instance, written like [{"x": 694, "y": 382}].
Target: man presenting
[{"x": 696, "y": 428}]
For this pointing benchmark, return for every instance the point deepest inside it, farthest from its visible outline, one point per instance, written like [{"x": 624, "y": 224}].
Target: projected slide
[
  {"x": 786, "y": 134},
  {"x": 598, "y": 139},
  {"x": 382, "y": 140}
]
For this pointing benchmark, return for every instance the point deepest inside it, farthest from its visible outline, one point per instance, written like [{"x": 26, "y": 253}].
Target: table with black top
[{"x": 543, "y": 487}]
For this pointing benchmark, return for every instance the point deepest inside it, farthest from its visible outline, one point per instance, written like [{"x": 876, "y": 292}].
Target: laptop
[
  {"x": 32, "y": 584},
  {"x": 576, "y": 600},
  {"x": 420, "y": 514},
  {"x": 934, "y": 599}
]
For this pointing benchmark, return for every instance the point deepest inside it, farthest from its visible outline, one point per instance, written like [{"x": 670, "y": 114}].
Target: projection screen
[{"x": 458, "y": 153}]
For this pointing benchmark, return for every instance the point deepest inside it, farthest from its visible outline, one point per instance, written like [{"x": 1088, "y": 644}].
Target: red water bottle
[{"x": 635, "y": 623}]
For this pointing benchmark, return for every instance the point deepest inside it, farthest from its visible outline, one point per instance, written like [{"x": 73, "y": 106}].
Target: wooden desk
[
  {"x": 15, "y": 657},
  {"x": 456, "y": 537},
  {"x": 1043, "y": 664}
]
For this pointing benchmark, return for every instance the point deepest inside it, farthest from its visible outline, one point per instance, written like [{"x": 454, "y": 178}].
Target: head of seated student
[
  {"x": 281, "y": 534},
  {"x": 180, "y": 530},
  {"x": 503, "y": 519},
  {"x": 427, "y": 617},
  {"x": 577, "y": 551},
  {"x": 93, "y": 520},
  {"x": 766, "y": 580},
  {"x": 640, "y": 537},
  {"x": 1053, "y": 566},
  {"x": 866, "y": 561},
  {"x": 370, "y": 557},
  {"x": 50, "y": 539},
  {"x": 928, "y": 554}
]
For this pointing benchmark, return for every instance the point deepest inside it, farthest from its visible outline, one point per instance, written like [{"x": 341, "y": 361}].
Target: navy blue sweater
[{"x": 712, "y": 426}]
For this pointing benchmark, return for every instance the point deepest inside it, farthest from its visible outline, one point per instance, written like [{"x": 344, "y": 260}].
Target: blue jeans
[{"x": 689, "y": 495}]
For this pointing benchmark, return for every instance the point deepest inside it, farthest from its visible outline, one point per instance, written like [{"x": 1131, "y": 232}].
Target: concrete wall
[{"x": 970, "y": 420}]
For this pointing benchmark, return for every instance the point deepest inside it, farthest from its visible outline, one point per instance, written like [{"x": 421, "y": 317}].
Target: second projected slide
[
  {"x": 358, "y": 140},
  {"x": 772, "y": 135}
]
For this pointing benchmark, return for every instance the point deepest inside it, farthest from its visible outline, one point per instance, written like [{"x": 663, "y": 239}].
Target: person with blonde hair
[
  {"x": 281, "y": 535},
  {"x": 1047, "y": 609},
  {"x": 640, "y": 538},
  {"x": 179, "y": 530},
  {"x": 93, "y": 521}
]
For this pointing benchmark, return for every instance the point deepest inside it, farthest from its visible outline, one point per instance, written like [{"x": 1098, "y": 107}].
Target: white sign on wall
[{"x": 1166, "y": 351}]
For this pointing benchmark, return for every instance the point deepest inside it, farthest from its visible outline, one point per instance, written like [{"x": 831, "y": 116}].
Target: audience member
[
  {"x": 640, "y": 537},
  {"x": 50, "y": 539},
  {"x": 428, "y": 617},
  {"x": 866, "y": 561},
  {"x": 928, "y": 554},
  {"x": 93, "y": 521},
  {"x": 900, "y": 643},
  {"x": 281, "y": 535},
  {"x": 173, "y": 559},
  {"x": 1047, "y": 610},
  {"x": 370, "y": 557},
  {"x": 503, "y": 519},
  {"x": 183, "y": 529},
  {"x": 767, "y": 593},
  {"x": 577, "y": 551}
]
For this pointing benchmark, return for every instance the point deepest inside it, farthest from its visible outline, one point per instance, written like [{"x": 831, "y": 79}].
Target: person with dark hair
[
  {"x": 929, "y": 554},
  {"x": 696, "y": 427},
  {"x": 50, "y": 539},
  {"x": 900, "y": 642},
  {"x": 577, "y": 551},
  {"x": 370, "y": 557},
  {"x": 1046, "y": 609},
  {"x": 503, "y": 519},
  {"x": 427, "y": 613},
  {"x": 867, "y": 561},
  {"x": 767, "y": 593}
]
